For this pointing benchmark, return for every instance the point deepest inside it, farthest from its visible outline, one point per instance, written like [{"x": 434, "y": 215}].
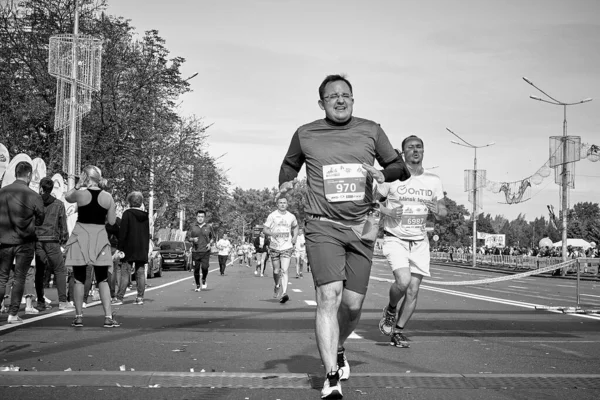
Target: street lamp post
[
  {"x": 564, "y": 177},
  {"x": 469, "y": 145}
]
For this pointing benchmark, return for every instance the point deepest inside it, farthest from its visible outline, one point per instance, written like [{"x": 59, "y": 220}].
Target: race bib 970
[{"x": 344, "y": 182}]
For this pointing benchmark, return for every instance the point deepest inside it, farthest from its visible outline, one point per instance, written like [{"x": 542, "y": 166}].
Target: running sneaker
[
  {"x": 255, "y": 272},
  {"x": 116, "y": 302},
  {"x": 78, "y": 321},
  {"x": 14, "y": 319},
  {"x": 139, "y": 301},
  {"x": 284, "y": 298},
  {"x": 84, "y": 305},
  {"x": 331, "y": 387},
  {"x": 65, "y": 305},
  {"x": 31, "y": 310},
  {"x": 343, "y": 366},
  {"x": 204, "y": 285},
  {"x": 197, "y": 288},
  {"x": 262, "y": 275},
  {"x": 301, "y": 275},
  {"x": 111, "y": 323},
  {"x": 399, "y": 340},
  {"x": 43, "y": 307},
  {"x": 387, "y": 322},
  {"x": 276, "y": 291},
  {"x": 297, "y": 276}
]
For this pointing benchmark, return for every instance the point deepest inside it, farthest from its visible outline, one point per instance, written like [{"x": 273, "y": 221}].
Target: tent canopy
[{"x": 574, "y": 243}]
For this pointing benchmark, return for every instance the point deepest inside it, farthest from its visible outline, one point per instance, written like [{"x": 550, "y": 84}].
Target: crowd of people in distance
[{"x": 573, "y": 251}]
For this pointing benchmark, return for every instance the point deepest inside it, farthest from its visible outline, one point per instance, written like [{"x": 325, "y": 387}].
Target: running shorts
[
  {"x": 413, "y": 254},
  {"x": 335, "y": 253},
  {"x": 276, "y": 255}
]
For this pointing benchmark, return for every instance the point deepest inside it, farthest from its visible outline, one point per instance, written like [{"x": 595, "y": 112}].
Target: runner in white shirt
[
  {"x": 405, "y": 243},
  {"x": 224, "y": 248},
  {"x": 300, "y": 253},
  {"x": 282, "y": 226}
]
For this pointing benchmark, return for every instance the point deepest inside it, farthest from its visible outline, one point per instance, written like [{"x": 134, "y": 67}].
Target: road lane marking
[
  {"x": 518, "y": 287},
  {"x": 297, "y": 290},
  {"x": 491, "y": 299},
  {"x": 310, "y": 302},
  {"x": 95, "y": 303},
  {"x": 353, "y": 335}
]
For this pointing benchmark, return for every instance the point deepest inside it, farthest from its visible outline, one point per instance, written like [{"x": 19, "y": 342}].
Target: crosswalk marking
[{"x": 296, "y": 290}]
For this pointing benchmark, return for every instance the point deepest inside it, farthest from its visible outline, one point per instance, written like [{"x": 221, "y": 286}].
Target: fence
[{"x": 586, "y": 265}]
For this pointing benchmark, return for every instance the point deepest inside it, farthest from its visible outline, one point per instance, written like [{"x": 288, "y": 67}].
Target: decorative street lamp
[
  {"x": 563, "y": 158},
  {"x": 472, "y": 146}
]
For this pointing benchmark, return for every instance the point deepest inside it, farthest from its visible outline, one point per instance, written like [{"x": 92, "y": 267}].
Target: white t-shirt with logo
[
  {"x": 224, "y": 247},
  {"x": 410, "y": 194},
  {"x": 281, "y": 226}
]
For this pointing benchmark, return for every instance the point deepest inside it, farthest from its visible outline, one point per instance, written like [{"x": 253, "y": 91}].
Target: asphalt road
[{"x": 234, "y": 341}]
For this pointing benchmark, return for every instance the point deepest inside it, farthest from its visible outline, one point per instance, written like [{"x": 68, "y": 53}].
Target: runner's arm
[
  {"x": 292, "y": 162},
  {"x": 391, "y": 160}
]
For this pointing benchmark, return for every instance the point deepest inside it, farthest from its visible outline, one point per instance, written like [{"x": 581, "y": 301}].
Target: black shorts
[{"x": 335, "y": 253}]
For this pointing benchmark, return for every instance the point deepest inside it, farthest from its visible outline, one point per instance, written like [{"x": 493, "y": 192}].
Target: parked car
[
  {"x": 188, "y": 254},
  {"x": 155, "y": 261},
  {"x": 173, "y": 254}
]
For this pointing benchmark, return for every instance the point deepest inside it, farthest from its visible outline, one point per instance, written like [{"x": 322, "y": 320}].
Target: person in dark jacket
[
  {"x": 261, "y": 245},
  {"x": 134, "y": 244},
  {"x": 21, "y": 210},
  {"x": 51, "y": 235}
]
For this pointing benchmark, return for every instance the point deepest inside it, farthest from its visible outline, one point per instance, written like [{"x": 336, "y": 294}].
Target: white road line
[
  {"x": 297, "y": 290},
  {"x": 518, "y": 287},
  {"x": 310, "y": 302},
  {"x": 589, "y": 295},
  {"x": 492, "y": 299},
  {"x": 95, "y": 303},
  {"x": 353, "y": 335}
]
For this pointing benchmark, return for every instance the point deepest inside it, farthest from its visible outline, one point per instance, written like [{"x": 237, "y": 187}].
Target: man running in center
[
  {"x": 405, "y": 242},
  {"x": 339, "y": 151},
  {"x": 282, "y": 226}
]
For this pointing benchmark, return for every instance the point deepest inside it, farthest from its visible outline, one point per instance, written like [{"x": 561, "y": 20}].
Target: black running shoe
[
  {"x": 78, "y": 321},
  {"x": 343, "y": 366},
  {"x": 284, "y": 298},
  {"x": 399, "y": 340},
  {"x": 111, "y": 323},
  {"x": 331, "y": 387}
]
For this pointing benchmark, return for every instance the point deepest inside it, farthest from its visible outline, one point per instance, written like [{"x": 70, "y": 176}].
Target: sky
[{"x": 416, "y": 67}]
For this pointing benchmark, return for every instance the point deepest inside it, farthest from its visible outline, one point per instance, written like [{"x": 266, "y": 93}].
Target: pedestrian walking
[{"x": 134, "y": 246}]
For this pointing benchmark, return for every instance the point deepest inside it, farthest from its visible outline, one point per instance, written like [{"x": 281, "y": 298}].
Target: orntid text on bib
[{"x": 344, "y": 182}]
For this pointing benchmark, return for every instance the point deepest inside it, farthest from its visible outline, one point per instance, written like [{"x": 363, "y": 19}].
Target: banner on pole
[{"x": 495, "y": 240}]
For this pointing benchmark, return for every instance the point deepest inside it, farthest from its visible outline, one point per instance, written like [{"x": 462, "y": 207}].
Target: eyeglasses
[{"x": 336, "y": 96}]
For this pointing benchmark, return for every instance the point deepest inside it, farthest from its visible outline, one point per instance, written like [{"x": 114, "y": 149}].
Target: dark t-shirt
[{"x": 327, "y": 149}]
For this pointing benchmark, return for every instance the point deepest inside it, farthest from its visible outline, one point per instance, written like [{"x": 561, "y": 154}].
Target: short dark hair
[
  {"x": 47, "y": 184},
  {"x": 410, "y": 138},
  {"x": 200, "y": 212},
  {"x": 135, "y": 199},
  {"x": 22, "y": 169},
  {"x": 333, "y": 78}
]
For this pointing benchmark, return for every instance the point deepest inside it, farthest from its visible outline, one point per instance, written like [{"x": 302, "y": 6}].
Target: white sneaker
[
  {"x": 331, "y": 387},
  {"x": 14, "y": 319},
  {"x": 204, "y": 286},
  {"x": 84, "y": 304},
  {"x": 197, "y": 289},
  {"x": 255, "y": 272},
  {"x": 31, "y": 310}
]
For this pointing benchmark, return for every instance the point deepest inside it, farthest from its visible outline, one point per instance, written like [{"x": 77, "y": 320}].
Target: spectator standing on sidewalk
[
  {"x": 88, "y": 243},
  {"x": 51, "y": 236},
  {"x": 134, "y": 245},
  {"x": 224, "y": 248},
  {"x": 21, "y": 210}
]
